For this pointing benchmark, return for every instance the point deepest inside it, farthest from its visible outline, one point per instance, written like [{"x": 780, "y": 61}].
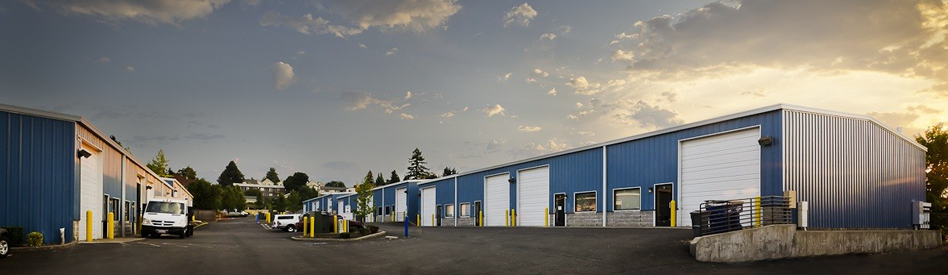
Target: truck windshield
[{"x": 165, "y": 207}]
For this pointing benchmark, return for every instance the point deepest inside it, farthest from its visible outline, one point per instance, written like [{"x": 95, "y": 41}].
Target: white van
[
  {"x": 166, "y": 216},
  {"x": 286, "y": 222}
]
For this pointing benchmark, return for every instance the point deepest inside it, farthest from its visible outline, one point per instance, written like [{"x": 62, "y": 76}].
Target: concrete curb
[
  {"x": 113, "y": 241},
  {"x": 303, "y": 239},
  {"x": 45, "y": 247}
]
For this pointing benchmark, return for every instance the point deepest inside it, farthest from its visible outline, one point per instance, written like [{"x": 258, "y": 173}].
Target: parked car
[
  {"x": 4, "y": 242},
  {"x": 235, "y": 213},
  {"x": 286, "y": 222}
]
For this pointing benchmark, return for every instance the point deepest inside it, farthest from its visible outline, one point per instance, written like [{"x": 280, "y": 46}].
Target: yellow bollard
[
  {"x": 482, "y": 217},
  {"x": 268, "y": 217},
  {"x": 111, "y": 225},
  {"x": 673, "y": 212},
  {"x": 88, "y": 225},
  {"x": 432, "y": 220},
  {"x": 513, "y": 217},
  {"x": 312, "y": 227},
  {"x": 506, "y": 217},
  {"x": 418, "y": 220},
  {"x": 305, "y": 224},
  {"x": 335, "y": 224},
  {"x": 756, "y": 203},
  {"x": 546, "y": 217}
]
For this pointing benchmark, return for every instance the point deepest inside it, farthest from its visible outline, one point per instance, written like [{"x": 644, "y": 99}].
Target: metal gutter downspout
[
  {"x": 604, "y": 185},
  {"x": 456, "y": 206}
]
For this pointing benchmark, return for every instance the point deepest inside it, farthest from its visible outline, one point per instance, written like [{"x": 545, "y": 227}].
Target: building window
[
  {"x": 585, "y": 202},
  {"x": 114, "y": 209},
  {"x": 449, "y": 211},
  {"x": 127, "y": 214},
  {"x": 465, "y": 210},
  {"x": 627, "y": 199},
  {"x": 378, "y": 211},
  {"x": 388, "y": 210}
]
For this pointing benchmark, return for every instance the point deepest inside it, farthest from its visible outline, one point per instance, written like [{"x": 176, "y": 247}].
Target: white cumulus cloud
[
  {"x": 148, "y": 11},
  {"x": 306, "y": 24},
  {"x": 415, "y": 15},
  {"x": 583, "y": 87},
  {"x": 528, "y": 129},
  {"x": 406, "y": 116},
  {"x": 283, "y": 76},
  {"x": 494, "y": 110},
  {"x": 521, "y": 14}
]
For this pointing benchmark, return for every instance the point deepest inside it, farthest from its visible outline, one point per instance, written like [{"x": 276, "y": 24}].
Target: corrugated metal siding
[
  {"x": 648, "y": 161},
  {"x": 38, "y": 185},
  {"x": 575, "y": 172},
  {"x": 853, "y": 173},
  {"x": 444, "y": 194}
]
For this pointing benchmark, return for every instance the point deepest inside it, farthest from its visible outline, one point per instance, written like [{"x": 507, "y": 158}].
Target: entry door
[
  {"x": 340, "y": 207},
  {"x": 438, "y": 216},
  {"x": 427, "y": 206},
  {"x": 90, "y": 186},
  {"x": 560, "y": 216},
  {"x": 401, "y": 203},
  {"x": 533, "y": 196},
  {"x": 497, "y": 200},
  {"x": 477, "y": 213},
  {"x": 663, "y": 197},
  {"x": 718, "y": 167}
]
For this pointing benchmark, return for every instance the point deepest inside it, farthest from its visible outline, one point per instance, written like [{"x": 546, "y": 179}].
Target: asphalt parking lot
[{"x": 242, "y": 247}]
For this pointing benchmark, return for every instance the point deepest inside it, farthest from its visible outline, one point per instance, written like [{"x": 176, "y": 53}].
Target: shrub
[
  {"x": 16, "y": 235},
  {"x": 344, "y": 235},
  {"x": 34, "y": 239},
  {"x": 373, "y": 229},
  {"x": 364, "y": 231}
]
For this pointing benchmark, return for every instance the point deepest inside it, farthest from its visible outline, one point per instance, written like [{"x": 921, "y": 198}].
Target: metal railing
[{"x": 719, "y": 216}]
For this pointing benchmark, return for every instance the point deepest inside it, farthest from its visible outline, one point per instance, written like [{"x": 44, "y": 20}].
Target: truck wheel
[
  {"x": 144, "y": 235},
  {"x": 184, "y": 232},
  {"x": 291, "y": 228},
  {"x": 4, "y": 246}
]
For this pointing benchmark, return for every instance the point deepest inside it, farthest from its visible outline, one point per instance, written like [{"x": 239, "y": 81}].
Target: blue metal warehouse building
[
  {"x": 853, "y": 171},
  {"x": 54, "y": 167},
  {"x": 395, "y": 201},
  {"x": 325, "y": 203}
]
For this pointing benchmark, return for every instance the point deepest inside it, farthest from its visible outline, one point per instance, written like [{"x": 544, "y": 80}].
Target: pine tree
[
  {"x": 230, "y": 175},
  {"x": 394, "y": 177},
  {"x": 379, "y": 180},
  {"x": 159, "y": 164},
  {"x": 188, "y": 173},
  {"x": 449, "y": 171},
  {"x": 272, "y": 175},
  {"x": 416, "y": 167}
]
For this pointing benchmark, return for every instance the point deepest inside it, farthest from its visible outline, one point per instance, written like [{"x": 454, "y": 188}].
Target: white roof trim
[
  {"x": 400, "y": 182},
  {"x": 687, "y": 126}
]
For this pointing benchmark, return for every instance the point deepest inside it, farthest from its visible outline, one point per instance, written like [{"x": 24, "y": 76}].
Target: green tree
[
  {"x": 261, "y": 201},
  {"x": 294, "y": 202},
  {"x": 230, "y": 175},
  {"x": 207, "y": 196},
  {"x": 188, "y": 173},
  {"x": 379, "y": 180},
  {"x": 336, "y": 183},
  {"x": 159, "y": 164},
  {"x": 936, "y": 159},
  {"x": 272, "y": 175},
  {"x": 294, "y": 182},
  {"x": 233, "y": 198},
  {"x": 416, "y": 167},
  {"x": 364, "y": 194},
  {"x": 307, "y": 192},
  {"x": 279, "y": 203},
  {"x": 394, "y": 177},
  {"x": 449, "y": 171}
]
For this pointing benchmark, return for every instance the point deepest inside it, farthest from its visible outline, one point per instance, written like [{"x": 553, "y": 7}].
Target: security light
[
  {"x": 765, "y": 141},
  {"x": 512, "y": 180},
  {"x": 84, "y": 154}
]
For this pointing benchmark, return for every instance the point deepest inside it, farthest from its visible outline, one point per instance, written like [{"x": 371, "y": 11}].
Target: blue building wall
[
  {"x": 444, "y": 192},
  {"x": 648, "y": 161},
  {"x": 39, "y": 190},
  {"x": 388, "y": 192}
]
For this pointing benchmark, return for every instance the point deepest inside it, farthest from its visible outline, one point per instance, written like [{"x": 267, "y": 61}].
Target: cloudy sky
[{"x": 334, "y": 88}]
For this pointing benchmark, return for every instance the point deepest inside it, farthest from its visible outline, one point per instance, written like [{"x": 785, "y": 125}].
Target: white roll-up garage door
[
  {"x": 533, "y": 196},
  {"x": 719, "y": 167},
  {"x": 427, "y": 206},
  {"x": 340, "y": 208},
  {"x": 401, "y": 203},
  {"x": 497, "y": 199},
  {"x": 90, "y": 182}
]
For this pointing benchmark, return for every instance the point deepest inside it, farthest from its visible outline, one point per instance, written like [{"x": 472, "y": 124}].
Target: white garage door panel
[
  {"x": 427, "y": 205},
  {"x": 401, "y": 204},
  {"x": 90, "y": 194},
  {"x": 534, "y": 193},
  {"x": 719, "y": 167},
  {"x": 497, "y": 200}
]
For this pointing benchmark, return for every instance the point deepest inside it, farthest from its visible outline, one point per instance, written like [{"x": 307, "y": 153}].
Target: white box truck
[{"x": 167, "y": 216}]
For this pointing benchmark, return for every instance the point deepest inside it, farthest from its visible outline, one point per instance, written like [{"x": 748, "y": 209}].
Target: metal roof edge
[
  {"x": 39, "y": 113},
  {"x": 397, "y": 183},
  {"x": 854, "y": 116}
]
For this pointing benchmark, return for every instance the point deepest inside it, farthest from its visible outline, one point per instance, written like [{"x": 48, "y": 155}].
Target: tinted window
[{"x": 165, "y": 207}]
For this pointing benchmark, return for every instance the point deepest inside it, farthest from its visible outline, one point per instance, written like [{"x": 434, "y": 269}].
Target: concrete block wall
[
  {"x": 630, "y": 219},
  {"x": 583, "y": 219},
  {"x": 784, "y": 241},
  {"x": 465, "y": 221}
]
